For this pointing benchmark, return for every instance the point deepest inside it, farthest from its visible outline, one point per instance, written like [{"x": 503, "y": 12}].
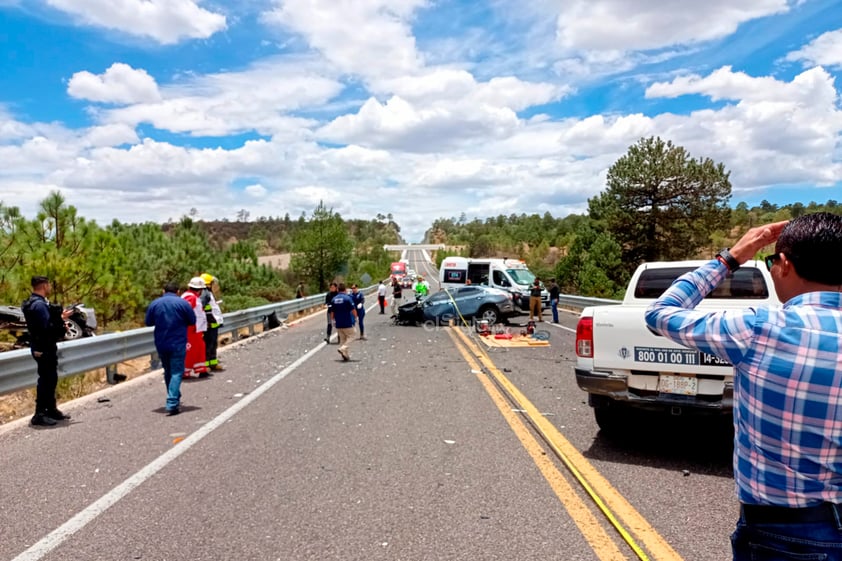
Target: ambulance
[{"x": 511, "y": 275}]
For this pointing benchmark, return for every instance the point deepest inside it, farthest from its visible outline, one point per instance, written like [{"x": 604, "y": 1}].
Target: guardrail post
[
  {"x": 112, "y": 375},
  {"x": 154, "y": 361}
]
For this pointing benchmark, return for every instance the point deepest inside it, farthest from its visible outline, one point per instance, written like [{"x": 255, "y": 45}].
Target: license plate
[
  {"x": 666, "y": 356},
  {"x": 660, "y": 355},
  {"x": 713, "y": 360},
  {"x": 682, "y": 385}
]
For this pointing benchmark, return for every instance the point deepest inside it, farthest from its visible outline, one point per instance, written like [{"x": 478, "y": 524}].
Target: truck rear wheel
[{"x": 610, "y": 418}]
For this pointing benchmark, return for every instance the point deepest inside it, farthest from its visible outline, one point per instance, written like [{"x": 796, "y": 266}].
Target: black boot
[
  {"x": 56, "y": 415},
  {"x": 41, "y": 420}
]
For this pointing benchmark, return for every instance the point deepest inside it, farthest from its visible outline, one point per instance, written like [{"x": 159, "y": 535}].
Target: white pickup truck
[{"x": 622, "y": 364}]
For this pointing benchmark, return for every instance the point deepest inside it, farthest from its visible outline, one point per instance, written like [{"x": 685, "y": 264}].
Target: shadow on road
[
  {"x": 698, "y": 444},
  {"x": 183, "y": 408}
]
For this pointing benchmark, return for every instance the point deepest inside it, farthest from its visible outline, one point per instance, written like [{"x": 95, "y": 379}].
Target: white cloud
[
  {"x": 235, "y": 102},
  {"x": 256, "y": 191},
  {"x": 442, "y": 86},
  {"x": 369, "y": 38},
  {"x": 312, "y": 195},
  {"x": 825, "y": 50},
  {"x": 776, "y": 133},
  {"x": 166, "y": 21},
  {"x": 397, "y": 124},
  {"x": 119, "y": 84},
  {"x": 630, "y": 25},
  {"x": 109, "y": 135},
  {"x": 727, "y": 84}
]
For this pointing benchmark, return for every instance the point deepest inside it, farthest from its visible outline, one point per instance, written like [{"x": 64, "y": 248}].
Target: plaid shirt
[{"x": 787, "y": 385}]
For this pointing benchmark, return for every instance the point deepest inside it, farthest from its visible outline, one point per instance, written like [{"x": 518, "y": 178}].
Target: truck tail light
[{"x": 584, "y": 338}]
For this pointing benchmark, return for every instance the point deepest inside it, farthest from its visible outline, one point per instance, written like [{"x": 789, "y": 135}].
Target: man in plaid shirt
[{"x": 787, "y": 385}]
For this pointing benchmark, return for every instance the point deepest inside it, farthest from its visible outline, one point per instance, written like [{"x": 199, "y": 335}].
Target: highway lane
[
  {"x": 400, "y": 454},
  {"x": 386, "y": 457},
  {"x": 675, "y": 470}
]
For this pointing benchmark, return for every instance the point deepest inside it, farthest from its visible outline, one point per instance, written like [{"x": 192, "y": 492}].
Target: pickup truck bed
[{"x": 622, "y": 364}]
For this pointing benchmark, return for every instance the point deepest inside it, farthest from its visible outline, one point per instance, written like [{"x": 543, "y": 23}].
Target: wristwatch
[{"x": 728, "y": 260}]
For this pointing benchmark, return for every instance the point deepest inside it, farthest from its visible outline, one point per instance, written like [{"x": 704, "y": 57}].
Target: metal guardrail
[
  {"x": 579, "y": 302},
  {"x": 18, "y": 369}
]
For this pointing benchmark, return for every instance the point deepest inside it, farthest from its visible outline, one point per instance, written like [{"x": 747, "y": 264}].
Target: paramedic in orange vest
[{"x": 194, "y": 364}]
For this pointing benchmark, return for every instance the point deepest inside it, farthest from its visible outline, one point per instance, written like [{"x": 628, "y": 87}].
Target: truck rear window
[{"x": 745, "y": 283}]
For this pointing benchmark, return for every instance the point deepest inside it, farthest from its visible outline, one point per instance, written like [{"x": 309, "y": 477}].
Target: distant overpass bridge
[{"x": 413, "y": 246}]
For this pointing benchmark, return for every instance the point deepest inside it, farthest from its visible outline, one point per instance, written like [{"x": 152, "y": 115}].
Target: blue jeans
[
  {"x": 554, "y": 307},
  {"x": 361, "y": 317},
  {"x": 815, "y": 541},
  {"x": 173, "y": 363}
]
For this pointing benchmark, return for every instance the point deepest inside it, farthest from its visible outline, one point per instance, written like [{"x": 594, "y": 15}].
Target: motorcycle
[{"x": 81, "y": 323}]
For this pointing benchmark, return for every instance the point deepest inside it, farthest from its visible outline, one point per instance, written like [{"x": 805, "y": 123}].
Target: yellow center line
[
  {"x": 589, "y": 526},
  {"x": 607, "y": 498}
]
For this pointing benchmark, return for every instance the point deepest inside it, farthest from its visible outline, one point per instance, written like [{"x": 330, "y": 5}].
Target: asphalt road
[{"x": 407, "y": 452}]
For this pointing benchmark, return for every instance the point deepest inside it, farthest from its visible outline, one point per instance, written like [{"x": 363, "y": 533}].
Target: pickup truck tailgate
[{"x": 623, "y": 342}]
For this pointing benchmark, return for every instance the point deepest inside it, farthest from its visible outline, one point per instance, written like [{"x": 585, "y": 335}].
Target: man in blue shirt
[
  {"x": 45, "y": 325},
  {"x": 343, "y": 312},
  {"x": 787, "y": 384},
  {"x": 171, "y": 316}
]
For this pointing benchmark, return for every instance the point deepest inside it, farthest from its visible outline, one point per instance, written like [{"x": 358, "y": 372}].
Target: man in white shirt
[{"x": 381, "y": 297}]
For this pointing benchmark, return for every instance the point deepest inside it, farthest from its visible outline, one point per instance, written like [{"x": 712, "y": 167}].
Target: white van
[{"x": 511, "y": 275}]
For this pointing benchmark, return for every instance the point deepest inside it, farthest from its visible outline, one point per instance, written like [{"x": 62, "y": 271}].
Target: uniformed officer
[{"x": 45, "y": 324}]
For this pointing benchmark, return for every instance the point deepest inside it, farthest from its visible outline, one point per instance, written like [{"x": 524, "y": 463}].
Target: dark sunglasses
[{"x": 771, "y": 259}]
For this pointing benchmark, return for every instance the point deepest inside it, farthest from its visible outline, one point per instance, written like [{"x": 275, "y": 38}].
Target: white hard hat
[{"x": 196, "y": 282}]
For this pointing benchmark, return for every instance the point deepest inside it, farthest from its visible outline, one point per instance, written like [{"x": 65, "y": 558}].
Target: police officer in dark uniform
[
  {"x": 333, "y": 291},
  {"x": 45, "y": 323}
]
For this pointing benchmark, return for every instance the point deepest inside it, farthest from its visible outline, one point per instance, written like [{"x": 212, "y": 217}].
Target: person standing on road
[
  {"x": 421, "y": 288},
  {"x": 195, "y": 361},
  {"x": 172, "y": 317},
  {"x": 215, "y": 319},
  {"x": 359, "y": 304},
  {"x": 787, "y": 379},
  {"x": 342, "y": 313},
  {"x": 45, "y": 324},
  {"x": 328, "y": 300},
  {"x": 381, "y": 297},
  {"x": 554, "y": 294},
  {"x": 535, "y": 301},
  {"x": 396, "y": 296}
]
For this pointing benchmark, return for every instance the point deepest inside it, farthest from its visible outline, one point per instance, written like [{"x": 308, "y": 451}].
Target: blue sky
[{"x": 143, "y": 109}]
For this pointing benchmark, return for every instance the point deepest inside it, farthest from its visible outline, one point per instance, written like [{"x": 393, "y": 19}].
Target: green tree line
[{"x": 118, "y": 269}]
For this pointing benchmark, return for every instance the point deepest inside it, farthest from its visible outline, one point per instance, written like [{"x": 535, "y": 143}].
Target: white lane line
[
  {"x": 558, "y": 326},
  {"x": 86, "y": 516}
]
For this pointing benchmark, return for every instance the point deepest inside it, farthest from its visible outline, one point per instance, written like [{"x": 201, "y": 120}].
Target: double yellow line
[{"x": 626, "y": 520}]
